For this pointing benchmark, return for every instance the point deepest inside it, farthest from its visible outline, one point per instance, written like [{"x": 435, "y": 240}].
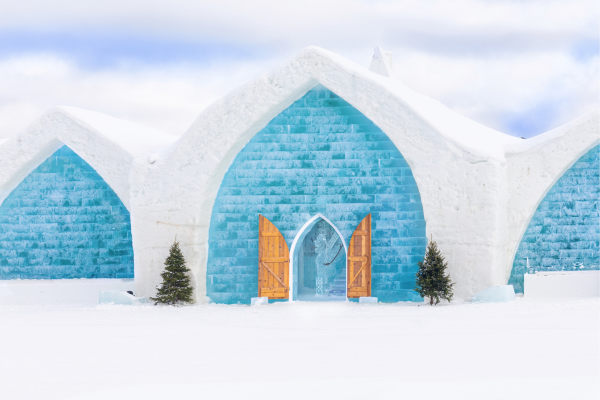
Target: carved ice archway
[
  {"x": 321, "y": 155},
  {"x": 300, "y": 236}
]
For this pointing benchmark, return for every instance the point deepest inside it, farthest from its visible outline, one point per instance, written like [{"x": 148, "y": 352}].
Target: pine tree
[
  {"x": 431, "y": 279},
  {"x": 176, "y": 287}
]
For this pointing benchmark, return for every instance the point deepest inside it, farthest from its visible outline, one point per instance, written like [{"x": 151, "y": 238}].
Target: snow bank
[
  {"x": 563, "y": 284},
  {"x": 59, "y": 291}
]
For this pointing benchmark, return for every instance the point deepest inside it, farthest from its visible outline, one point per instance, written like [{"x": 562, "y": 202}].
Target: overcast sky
[{"x": 521, "y": 67}]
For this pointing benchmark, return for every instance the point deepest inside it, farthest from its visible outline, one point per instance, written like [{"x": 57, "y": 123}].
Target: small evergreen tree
[
  {"x": 176, "y": 287},
  {"x": 431, "y": 279}
]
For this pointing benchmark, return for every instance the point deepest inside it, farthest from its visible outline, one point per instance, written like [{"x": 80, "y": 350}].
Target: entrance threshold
[{"x": 314, "y": 299}]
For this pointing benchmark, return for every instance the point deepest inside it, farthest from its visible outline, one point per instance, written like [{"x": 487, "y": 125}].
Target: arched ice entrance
[
  {"x": 318, "y": 262},
  {"x": 319, "y": 156}
]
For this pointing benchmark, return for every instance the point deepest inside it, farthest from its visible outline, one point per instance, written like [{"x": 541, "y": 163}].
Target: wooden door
[
  {"x": 359, "y": 260},
  {"x": 273, "y": 262}
]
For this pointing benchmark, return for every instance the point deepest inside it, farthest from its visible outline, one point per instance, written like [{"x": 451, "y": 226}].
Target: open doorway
[{"x": 320, "y": 262}]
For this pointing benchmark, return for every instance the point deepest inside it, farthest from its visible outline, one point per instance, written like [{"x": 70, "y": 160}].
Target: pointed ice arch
[
  {"x": 564, "y": 232},
  {"x": 320, "y": 156},
  {"x": 297, "y": 245},
  {"x": 64, "y": 221},
  {"x": 108, "y": 144}
]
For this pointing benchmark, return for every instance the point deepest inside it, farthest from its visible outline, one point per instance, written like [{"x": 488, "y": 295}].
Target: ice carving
[
  {"x": 322, "y": 264},
  {"x": 325, "y": 260},
  {"x": 319, "y": 286},
  {"x": 495, "y": 294}
]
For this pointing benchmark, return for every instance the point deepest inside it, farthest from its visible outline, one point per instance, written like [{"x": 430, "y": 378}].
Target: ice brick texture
[
  {"x": 63, "y": 221},
  {"x": 320, "y": 155},
  {"x": 564, "y": 232}
]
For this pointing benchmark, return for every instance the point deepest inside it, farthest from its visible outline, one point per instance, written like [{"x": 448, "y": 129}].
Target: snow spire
[{"x": 382, "y": 62}]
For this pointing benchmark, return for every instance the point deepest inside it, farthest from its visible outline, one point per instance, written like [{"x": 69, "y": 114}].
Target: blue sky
[{"x": 521, "y": 67}]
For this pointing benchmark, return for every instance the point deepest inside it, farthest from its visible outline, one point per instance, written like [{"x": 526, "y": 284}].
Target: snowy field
[{"x": 526, "y": 349}]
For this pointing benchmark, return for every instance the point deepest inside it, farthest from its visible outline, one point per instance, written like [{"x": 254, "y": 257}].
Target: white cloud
[
  {"x": 168, "y": 98},
  {"x": 320, "y": 22},
  {"x": 494, "y": 90},
  {"x": 493, "y": 61}
]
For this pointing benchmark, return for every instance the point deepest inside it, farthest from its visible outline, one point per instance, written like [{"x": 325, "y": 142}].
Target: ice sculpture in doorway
[
  {"x": 322, "y": 264},
  {"x": 327, "y": 249}
]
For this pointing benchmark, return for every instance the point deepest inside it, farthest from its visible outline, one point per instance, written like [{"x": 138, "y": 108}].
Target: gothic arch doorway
[{"x": 318, "y": 262}]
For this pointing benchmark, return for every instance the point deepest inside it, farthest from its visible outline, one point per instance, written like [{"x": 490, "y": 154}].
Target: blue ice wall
[
  {"x": 564, "y": 232},
  {"x": 320, "y": 155},
  {"x": 64, "y": 221}
]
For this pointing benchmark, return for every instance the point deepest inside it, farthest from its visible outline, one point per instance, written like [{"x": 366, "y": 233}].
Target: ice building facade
[
  {"x": 320, "y": 156},
  {"x": 321, "y": 180}
]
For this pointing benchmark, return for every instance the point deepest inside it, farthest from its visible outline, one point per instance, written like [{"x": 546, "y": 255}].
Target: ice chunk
[
  {"x": 495, "y": 294},
  {"x": 122, "y": 298},
  {"x": 257, "y": 301},
  {"x": 367, "y": 299}
]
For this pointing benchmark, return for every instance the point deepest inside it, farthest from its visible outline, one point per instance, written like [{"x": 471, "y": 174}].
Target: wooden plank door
[
  {"x": 359, "y": 260},
  {"x": 273, "y": 262}
]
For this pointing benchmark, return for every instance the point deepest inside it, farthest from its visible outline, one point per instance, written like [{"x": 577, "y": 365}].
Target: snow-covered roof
[
  {"x": 544, "y": 138},
  {"x": 108, "y": 144},
  {"x": 315, "y": 65},
  {"x": 138, "y": 140},
  {"x": 279, "y": 88},
  {"x": 453, "y": 126}
]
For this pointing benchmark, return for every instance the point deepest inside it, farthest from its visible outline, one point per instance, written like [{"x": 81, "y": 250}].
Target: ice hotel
[{"x": 320, "y": 180}]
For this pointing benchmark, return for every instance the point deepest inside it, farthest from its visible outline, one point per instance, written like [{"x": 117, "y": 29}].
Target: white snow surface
[
  {"x": 553, "y": 134},
  {"x": 138, "y": 140},
  {"x": 525, "y": 349},
  {"x": 562, "y": 284},
  {"x": 82, "y": 292}
]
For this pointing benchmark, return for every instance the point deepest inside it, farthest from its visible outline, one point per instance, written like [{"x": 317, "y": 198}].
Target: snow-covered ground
[{"x": 526, "y": 349}]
